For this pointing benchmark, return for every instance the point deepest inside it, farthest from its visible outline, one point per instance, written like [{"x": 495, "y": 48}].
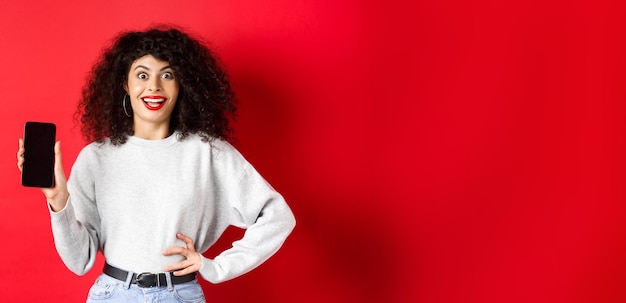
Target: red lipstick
[{"x": 154, "y": 102}]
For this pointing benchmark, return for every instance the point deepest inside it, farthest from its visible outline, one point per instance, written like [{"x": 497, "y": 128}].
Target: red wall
[{"x": 443, "y": 151}]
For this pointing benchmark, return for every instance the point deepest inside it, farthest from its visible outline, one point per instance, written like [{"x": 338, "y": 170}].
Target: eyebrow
[{"x": 145, "y": 67}]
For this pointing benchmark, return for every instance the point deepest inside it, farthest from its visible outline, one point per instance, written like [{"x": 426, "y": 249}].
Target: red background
[{"x": 440, "y": 151}]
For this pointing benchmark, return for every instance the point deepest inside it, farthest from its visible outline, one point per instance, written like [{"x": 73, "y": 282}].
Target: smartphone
[{"x": 38, "y": 168}]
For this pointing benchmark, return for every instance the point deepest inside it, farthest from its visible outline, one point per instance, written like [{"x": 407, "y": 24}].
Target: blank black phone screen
[{"x": 38, "y": 168}]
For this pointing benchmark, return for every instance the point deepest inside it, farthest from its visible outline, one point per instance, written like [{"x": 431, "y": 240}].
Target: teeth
[{"x": 153, "y": 100}]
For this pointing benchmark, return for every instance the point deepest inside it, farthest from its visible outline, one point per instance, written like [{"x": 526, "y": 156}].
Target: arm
[
  {"x": 75, "y": 243},
  {"x": 268, "y": 220},
  {"x": 242, "y": 198},
  {"x": 254, "y": 205}
]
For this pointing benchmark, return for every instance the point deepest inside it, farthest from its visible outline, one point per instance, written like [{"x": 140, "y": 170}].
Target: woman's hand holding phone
[{"x": 57, "y": 195}]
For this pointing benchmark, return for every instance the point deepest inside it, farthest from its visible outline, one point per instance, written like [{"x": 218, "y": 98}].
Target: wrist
[{"x": 58, "y": 202}]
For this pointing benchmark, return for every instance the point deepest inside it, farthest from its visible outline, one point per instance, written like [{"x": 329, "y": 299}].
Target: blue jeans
[{"x": 110, "y": 290}]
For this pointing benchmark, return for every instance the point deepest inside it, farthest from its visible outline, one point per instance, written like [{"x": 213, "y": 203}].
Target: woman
[{"x": 160, "y": 183}]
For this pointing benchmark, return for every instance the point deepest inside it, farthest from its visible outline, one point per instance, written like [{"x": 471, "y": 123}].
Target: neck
[{"x": 151, "y": 131}]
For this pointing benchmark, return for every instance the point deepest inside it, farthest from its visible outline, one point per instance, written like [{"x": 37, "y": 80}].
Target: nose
[{"x": 154, "y": 85}]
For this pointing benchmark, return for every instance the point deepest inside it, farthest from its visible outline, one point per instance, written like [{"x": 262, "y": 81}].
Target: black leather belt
[{"x": 146, "y": 279}]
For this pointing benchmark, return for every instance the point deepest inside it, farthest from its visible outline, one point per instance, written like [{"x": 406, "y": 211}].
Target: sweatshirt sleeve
[
  {"x": 255, "y": 206},
  {"x": 75, "y": 228}
]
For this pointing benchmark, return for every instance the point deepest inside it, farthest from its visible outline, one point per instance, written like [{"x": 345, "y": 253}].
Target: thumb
[
  {"x": 57, "y": 152},
  {"x": 59, "y": 174}
]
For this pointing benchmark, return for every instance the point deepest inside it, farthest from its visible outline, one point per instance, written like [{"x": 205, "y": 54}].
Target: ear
[{"x": 125, "y": 85}]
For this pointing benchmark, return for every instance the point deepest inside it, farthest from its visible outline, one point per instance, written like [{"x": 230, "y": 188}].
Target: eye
[
  {"x": 142, "y": 76},
  {"x": 167, "y": 75}
]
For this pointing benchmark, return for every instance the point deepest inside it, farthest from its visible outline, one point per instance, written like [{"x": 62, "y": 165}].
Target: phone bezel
[{"x": 38, "y": 167}]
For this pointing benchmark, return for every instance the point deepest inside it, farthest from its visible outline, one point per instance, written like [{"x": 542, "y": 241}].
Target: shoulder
[
  {"x": 214, "y": 145},
  {"x": 222, "y": 153},
  {"x": 222, "y": 149},
  {"x": 94, "y": 154},
  {"x": 95, "y": 149},
  {"x": 88, "y": 159}
]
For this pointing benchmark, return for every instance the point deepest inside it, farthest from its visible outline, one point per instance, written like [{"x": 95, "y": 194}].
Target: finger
[
  {"x": 187, "y": 241},
  {"x": 184, "y": 267},
  {"x": 176, "y": 251},
  {"x": 59, "y": 173},
  {"x": 20, "y": 154},
  {"x": 57, "y": 154},
  {"x": 183, "y": 272},
  {"x": 178, "y": 266},
  {"x": 57, "y": 195},
  {"x": 60, "y": 180}
]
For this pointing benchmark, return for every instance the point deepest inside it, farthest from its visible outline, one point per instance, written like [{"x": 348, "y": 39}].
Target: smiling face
[{"x": 153, "y": 91}]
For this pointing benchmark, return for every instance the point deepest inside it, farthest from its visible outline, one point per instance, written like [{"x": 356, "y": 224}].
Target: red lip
[{"x": 154, "y": 105}]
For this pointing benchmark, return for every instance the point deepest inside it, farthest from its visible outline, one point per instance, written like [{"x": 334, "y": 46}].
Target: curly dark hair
[{"x": 206, "y": 103}]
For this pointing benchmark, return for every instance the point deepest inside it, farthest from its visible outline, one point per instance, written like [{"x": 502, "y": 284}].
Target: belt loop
[
  {"x": 129, "y": 278},
  {"x": 168, "y": 278}
]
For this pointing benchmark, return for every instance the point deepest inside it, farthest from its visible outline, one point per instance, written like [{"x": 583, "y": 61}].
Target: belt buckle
[{"x": 146, "y": 280}]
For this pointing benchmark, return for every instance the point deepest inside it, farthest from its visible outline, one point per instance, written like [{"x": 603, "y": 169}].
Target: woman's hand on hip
[{"x": 193, "y": 259}]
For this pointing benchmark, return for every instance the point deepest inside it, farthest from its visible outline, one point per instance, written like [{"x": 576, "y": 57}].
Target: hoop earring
[{"x": 124, "y": 106}]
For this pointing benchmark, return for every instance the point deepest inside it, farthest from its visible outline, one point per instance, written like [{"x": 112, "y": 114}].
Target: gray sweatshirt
[{"x": 130, "y": 201}]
